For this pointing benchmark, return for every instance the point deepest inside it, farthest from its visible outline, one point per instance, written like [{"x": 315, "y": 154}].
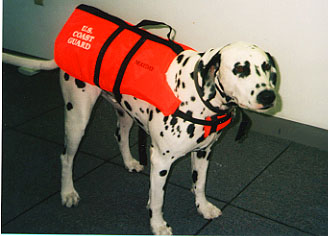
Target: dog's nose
[{"x": 266, "y": 97}]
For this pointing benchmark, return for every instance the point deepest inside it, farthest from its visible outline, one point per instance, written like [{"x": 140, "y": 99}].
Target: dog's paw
[
  {"x": 134, "y": 166},
  {"x": 209, "y": 211},
  {"x": 70, "y": 199},
  {"x": 161, "y": 229}
]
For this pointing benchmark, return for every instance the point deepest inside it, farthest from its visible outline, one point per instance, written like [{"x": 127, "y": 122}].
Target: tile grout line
[
  {"x": 33, "y": 118},
  {"x": 271, "y": 219},
  {"x": 243, "y": 189},
  {"x": 258, "y": 175}
]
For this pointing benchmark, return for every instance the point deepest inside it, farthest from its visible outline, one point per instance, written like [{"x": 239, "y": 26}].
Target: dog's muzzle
[{"x": 266, "y": 98}]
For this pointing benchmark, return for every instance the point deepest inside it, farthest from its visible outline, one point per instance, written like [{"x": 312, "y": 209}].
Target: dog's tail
[{"x": 31, "y": 63}]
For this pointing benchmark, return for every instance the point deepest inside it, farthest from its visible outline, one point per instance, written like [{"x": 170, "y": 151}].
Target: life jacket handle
[{"x": 146, "y": 23}]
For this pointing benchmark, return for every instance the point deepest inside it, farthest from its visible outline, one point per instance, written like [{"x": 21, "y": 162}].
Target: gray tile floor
[{"x": 264, "y": 186}]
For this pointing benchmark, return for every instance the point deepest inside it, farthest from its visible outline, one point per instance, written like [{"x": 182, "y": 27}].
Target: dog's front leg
[
  {"x": 199, "y": 161},
  {"x": 160, "y": 167}
]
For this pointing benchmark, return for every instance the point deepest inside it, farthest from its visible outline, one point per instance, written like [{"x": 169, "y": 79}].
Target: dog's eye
[{"x": 239, "y": 69}]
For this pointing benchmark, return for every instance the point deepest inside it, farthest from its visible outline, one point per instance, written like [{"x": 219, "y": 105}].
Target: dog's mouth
[
  {"x": 266, "y": 107},
  {"x": 257, "y": 107}
]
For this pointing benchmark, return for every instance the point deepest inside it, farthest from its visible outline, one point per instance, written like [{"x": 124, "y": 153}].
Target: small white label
[{"x": 83, "y": 38}]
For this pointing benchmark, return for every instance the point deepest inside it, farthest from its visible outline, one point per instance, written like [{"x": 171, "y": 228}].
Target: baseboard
[{"x": 293, "y": 131}]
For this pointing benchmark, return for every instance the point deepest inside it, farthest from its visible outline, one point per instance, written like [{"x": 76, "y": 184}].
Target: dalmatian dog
[{"x": 238, "y": 74}]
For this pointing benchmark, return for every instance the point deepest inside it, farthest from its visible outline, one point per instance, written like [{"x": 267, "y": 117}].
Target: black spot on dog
[
  {"x": 252, "y": 92},
  {"x": 200, "y": 139},
  {"x": 161, "y": 134},
  {"x": 150, "y": 115},
  {"x": 192, "y": 75},
  {"x": 165, "y": 119},
  {"x": 141, "y": 110},
  {"x": 147, "y": 110},
  {"x": 166, "y": 127},
  {"x": 179, "y": 58},
  {"x": 257, "y": 71},
  {"x": 178, "y": 84},
  {"x": 79, "y": 83},
  {"x": 183, "y": 85},
  {"x": 157, "y": 110},
  {"x": 273, "y": 78},
  {"x": 201, "y": 154},
  {"x": 66, "y": 76},
  {"x": 190, "y": 130},
  {"x": 201, "y": 54},
  {"x": 192, "y": 98},
  {"x": 263, "y": 84},
  {"x": 163, "y": 173},
  {"x": 128, "y": 106},
  {"x": 265, "y": 67},
  {"x": 242, "y": 71},
  {"x": 185, "y": 61},
  {"x": 257, "y": 86},
  {"x": 173, "y": 121},
  {"x": 69, "y": 106},
  {"x": 194, "y": 176}
]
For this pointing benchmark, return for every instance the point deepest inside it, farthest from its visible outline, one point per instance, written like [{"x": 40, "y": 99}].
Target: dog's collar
[{"x": 211, "y": 123}]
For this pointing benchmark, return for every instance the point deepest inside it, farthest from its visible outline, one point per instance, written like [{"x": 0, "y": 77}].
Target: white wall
[{"x": 295, "y": 32}]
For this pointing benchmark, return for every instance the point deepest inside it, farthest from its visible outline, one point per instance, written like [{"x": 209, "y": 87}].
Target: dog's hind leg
[
  {"x": 124, "y": 125},
  {"x": 79, "y": 100},
  {"x": 199, "y": 162}
]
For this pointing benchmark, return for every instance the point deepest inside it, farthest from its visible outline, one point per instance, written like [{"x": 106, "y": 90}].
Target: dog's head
[{"x": 243, "y": 74}]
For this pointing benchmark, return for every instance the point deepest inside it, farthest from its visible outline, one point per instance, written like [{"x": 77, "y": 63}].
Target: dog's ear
[
  {"x": 209, "y": 70},
  {"x": 273, "y": 73},
  {"x": 271, "y": 60}
]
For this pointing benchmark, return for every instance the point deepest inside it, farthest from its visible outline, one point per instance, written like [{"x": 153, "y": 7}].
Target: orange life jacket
[
  {"x": 104, "y": 50},
  {"x": 122, "y": 58}
]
